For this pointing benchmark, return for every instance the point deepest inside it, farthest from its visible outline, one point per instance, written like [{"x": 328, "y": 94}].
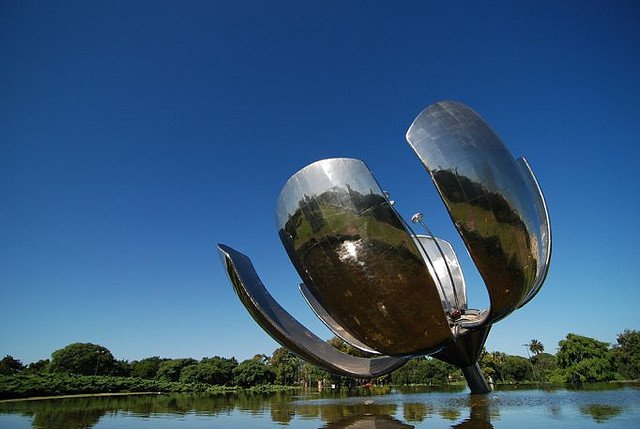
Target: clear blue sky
[{"x": 135, "y": 136}]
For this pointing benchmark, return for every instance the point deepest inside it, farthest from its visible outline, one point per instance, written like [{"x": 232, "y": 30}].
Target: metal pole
[{"x": 475, "y": 379}]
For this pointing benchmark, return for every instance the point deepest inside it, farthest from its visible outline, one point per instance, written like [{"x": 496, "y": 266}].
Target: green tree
[
  {"x": 146, "y": 368},
  {"x": 423, "y": 370},
  {"x": 216, "y": 371},
  {"x": 626, "y": 354},
  {"x": 286, "y": 367},
  {"x": 439, "y": 372},
  {"x": 39, "y": 367},
  {"x": 536, "y": 347},
  {"x": 121, "y": 368},
  {"x": 311, "y": 374},
  {"x": 492, "y": 364},
  {"x": 83, "y": 359},
  {"x": 170, "y": 370},
  {"x": 544, "y": 365},
  {"x": 347, "y": 348},
  {"x": 252, "y": 372},
  {"x": 584, "y": 359},
  {"x": 10, "y": 365},
  {"x": 516, "y": 368}
]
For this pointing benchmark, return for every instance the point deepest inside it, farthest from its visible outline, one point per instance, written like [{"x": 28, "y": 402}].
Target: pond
[{"x": 602, "y": 406}]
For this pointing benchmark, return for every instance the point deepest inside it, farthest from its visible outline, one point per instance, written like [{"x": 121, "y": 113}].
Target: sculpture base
[{"x": 475, "y": 379}]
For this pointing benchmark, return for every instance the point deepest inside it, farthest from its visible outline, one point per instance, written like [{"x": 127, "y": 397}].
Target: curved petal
[
  {"x": 331, "y": 323},
  {"x": 544, "y": 239},
  {"x": 356, "y": 256},
  {"x": 439, "y": 255},
  {"x": 286, "y": 330},
  {"x": 488, "y": 198}
]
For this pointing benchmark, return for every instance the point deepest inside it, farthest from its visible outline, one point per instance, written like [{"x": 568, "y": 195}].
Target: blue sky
[{"x": 135, "y": 136}]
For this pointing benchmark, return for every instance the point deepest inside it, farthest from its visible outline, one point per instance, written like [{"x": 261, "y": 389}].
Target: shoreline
[
  {"x": 264, "y": 390},
  {"x": 80, "y": 395}
]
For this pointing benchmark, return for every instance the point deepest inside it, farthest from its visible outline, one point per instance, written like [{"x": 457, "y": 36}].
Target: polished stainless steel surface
[
  {"x": 382, "y": 288},
  {"x": 496, "y": 206},
  {"x": 286, "y": 330},
  {"x": 331, "y": 323},
  {"x": 357, "y": 259},
  {"x": 544, "y": 239},
  {"x": 443, "y": 263}
]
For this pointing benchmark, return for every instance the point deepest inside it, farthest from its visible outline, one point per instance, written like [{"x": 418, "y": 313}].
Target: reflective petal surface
[
  {"x": 440, "y": 256},
  {"x": 286, "y": 330},
  {"x": 357, "y": 259},
  {"x": 495, "y": 206},
  {"x": 331, "y": 323},
  {"x": 544, "y": 239}
]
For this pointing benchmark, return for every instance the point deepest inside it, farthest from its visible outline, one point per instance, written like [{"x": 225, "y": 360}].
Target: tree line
[{"x": 578, "y": 359}]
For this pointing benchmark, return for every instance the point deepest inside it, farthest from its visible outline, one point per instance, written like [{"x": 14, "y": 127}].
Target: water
[{"x": 608, "y": 406}]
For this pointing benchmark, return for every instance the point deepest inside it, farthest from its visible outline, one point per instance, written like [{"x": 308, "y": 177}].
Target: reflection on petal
[
  {"x": 282, "y": 327},
  {"x": 331, "y": 323},
  {"x": 489, "y": 198},
  {"x": 443, "y": 261},
  {"x": 356, "y": 257}
]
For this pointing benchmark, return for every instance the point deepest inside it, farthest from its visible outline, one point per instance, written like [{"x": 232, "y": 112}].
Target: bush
[
  {"x": 626, "y": 354},
  {"x": 146, "y": 368},
  {"x": 585, "y": 359},
  {"x": 9, "y": 365},
  {"x": 216, "y": 371},
  {"x": 24, "y": 386},
  {"x": 83, "y": 359},
  {"x": 251, "y": 373},
  {"x": 170, "y": 370}
]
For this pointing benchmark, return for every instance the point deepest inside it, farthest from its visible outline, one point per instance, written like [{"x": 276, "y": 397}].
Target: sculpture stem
[{"x": 475, "y": 379}]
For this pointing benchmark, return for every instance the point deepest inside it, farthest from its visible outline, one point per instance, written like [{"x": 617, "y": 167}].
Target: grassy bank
[
  {"x": 26, "y": 386},
  {"x": 58, "y": 385}
]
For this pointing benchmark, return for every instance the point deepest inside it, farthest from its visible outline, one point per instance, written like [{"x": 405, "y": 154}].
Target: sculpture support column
[{"x": 475, "y": 379}]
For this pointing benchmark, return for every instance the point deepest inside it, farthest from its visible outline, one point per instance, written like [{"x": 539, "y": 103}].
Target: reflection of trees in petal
[
  {"x": 310, "y": 217},
  {"x": 356, "y": 257},
  {"x": 601, "y": 413},
  {"x": 496, "y": 235}
]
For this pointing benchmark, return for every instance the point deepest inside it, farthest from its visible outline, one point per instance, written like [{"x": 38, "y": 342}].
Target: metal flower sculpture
[{"x": 386, "y": 290}]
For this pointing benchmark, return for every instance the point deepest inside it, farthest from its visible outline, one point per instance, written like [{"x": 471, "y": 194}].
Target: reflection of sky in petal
[{"x": 320, "y": 177}]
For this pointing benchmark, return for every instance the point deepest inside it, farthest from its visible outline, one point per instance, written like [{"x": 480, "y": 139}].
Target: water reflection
[
  {"x": 67, "y": 419},
  {"x": 416, "y": 411},
  {"x": 601, "y": 413},
  {"x": 419, "y": 408},
  {"x": 368, "y": 421},
  {"x": 333, "y": 412},
  {"x": 479, "y": 414}
]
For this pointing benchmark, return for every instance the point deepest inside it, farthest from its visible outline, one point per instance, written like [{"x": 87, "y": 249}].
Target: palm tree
[{"x": 536, "y": 347}]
